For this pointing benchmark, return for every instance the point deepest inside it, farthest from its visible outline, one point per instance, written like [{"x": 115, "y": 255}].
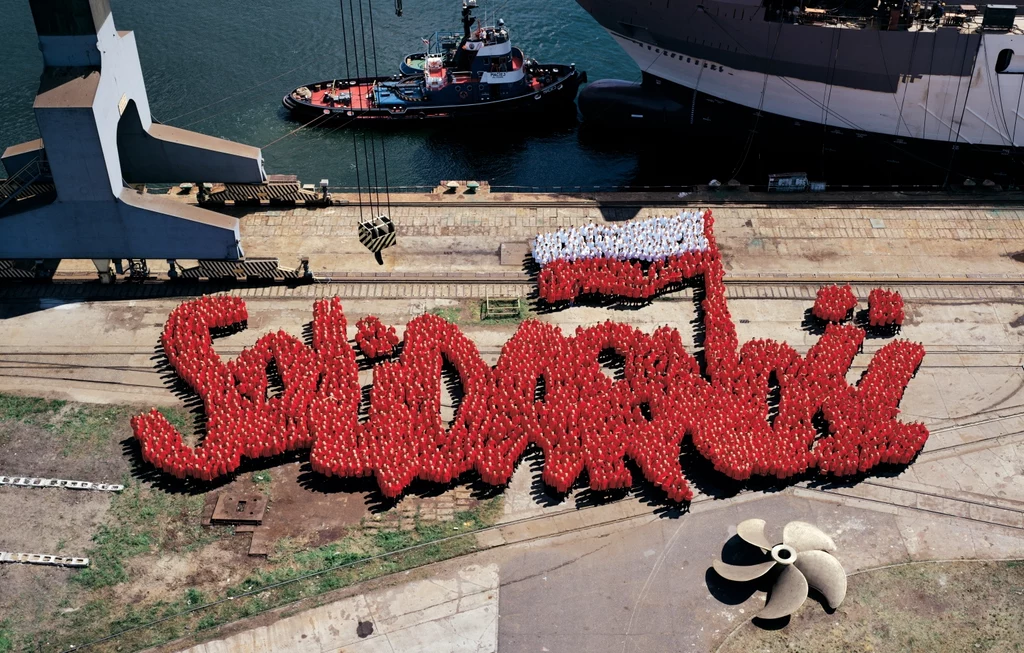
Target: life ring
[
  {"x": 536, "y": 97},
  {"x": 458, "y": 87},
  {"x": 463, "y": 95}
]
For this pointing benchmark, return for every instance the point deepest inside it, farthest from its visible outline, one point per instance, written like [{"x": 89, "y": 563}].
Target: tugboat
[{"x": 479, "y": 75}]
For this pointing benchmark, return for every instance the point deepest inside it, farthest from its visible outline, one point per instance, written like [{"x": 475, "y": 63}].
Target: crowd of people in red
[
  {"x": 547, "y": 389},
  {"x": 834, "y": 303},
  {"x": 885, "y": 308},
  {"x": 375, "y": 339}
]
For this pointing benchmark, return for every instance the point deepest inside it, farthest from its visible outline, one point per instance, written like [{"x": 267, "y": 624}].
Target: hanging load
[{"x": 377, "y": 233}]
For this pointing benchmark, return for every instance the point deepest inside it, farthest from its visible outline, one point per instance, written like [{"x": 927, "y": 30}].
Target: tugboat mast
[{"x": 467, "y": 32}]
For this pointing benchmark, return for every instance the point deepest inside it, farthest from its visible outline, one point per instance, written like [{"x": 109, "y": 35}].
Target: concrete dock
[{"x": 627, "y": 575}]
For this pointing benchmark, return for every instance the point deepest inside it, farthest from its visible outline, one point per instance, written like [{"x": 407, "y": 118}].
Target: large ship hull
[{"x": 932, "y": 85}]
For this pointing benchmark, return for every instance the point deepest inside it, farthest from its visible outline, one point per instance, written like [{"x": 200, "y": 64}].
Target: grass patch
[
  {"x": 285, "y": 579},
  {"x": 262, "y": 480},
  {"x": 27, "y": 409},
  {"x": 77, "y": 427},
  {"x": 143, "y": 520},
  {"x": 472, "y": 312},
  {"x": 6, "y": 637},
  {"x": 179, "y": 418},
  {"x": 452, "y": 314},
  {"x": 87, "y": 427}
]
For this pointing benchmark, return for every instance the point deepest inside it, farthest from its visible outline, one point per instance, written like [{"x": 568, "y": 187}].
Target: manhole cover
[{"x": 364, "y": 629}]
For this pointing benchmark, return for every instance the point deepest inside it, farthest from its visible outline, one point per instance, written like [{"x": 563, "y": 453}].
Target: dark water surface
[
  {"x": 222, "y": 66},
  {"x": 195, "y": 53}
]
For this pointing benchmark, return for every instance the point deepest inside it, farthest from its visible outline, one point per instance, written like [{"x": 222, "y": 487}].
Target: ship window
[
  {"x": 673, "y": 55},
  {"x": 657, "y": 50},
  {"x": 1003, "y": 60},
  {"x": 688, "y": 60},
  {"x": 648, "y": 47}
]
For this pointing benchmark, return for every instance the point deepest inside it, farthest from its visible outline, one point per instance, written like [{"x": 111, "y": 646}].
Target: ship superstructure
[{"x": 943, "y": 74}]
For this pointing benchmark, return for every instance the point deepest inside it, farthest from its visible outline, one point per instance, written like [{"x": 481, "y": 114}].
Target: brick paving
[{"x": 494, "y": 219}]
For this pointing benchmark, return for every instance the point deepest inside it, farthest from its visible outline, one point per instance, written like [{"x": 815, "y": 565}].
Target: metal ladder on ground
[
  {"x": 501, "y": 307},
  {"x": 21, "y": 181}
]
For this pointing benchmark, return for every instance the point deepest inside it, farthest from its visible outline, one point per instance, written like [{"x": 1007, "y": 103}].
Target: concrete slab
[{"x": 456, "y": 613}]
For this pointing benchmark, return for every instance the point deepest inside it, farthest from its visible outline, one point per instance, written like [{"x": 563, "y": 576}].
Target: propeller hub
[{"x": 783, "y": 554}]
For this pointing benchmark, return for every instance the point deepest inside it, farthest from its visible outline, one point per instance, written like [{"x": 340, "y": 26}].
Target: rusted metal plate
[
  {"x": 262, "y": 542},
  {"x": 239, "y": 509}
]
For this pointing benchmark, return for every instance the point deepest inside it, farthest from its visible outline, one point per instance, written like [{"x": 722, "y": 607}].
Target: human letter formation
[{"x": 582, "y": 419}]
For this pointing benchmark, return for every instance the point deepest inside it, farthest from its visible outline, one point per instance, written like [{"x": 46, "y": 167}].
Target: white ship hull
[{"x": 986, "y": 108}]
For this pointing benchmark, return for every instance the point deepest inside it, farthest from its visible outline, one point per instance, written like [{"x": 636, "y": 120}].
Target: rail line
[{"x": 517, "y": 284}]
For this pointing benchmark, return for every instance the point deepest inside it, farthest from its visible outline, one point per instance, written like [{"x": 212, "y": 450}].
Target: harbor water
[{"x": 222, "y": 68}]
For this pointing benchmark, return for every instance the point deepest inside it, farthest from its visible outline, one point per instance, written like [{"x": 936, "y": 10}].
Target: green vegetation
[
  {"x": 474, "y": 312},
  {"x": 6, "y": 637},
  {"x": 86, "y": 427},
  {"x": 143, "y": 520},
  {"x": 452, "y": 314},
  {"x": 144, "y": 525},
  {"x": 179, "y": 419},
  {"x": 148, "y": 520},
  {"x": 262, "y": 480},
  {"x": 77, "y": 426},
  {"x": 26, "y": 409}
]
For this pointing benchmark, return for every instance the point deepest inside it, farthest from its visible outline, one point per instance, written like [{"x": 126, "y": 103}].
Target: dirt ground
[
  {"x": 957, "y": 606},
  {"x": 147, "y": 543}
]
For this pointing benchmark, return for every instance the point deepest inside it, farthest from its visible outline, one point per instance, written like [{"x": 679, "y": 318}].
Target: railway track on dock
[{"x": 456, "y": 285}]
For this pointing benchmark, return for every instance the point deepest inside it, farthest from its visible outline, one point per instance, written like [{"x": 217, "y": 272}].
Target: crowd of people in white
[{"x": 644, "y": 240}]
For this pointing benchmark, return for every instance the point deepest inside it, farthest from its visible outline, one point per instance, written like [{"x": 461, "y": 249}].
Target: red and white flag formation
[{"x": 584, "y": 421}]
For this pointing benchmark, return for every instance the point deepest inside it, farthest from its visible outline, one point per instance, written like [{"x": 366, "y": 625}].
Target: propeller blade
[
  {"x": 787, "y": 595},
  {"x": 751, "y": 531},
  {"x": 742, "y": 573},
  {"x": 804, "y": 537},
  {"x": 825, "y": 574}
]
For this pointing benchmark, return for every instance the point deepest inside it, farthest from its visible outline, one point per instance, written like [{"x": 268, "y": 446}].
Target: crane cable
[
  {"x": 373, "y": 145},
  {"x": 348, "y": 74},
  {"x": 355, "y": 137},
  {"x": 383, "y": 149}
]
